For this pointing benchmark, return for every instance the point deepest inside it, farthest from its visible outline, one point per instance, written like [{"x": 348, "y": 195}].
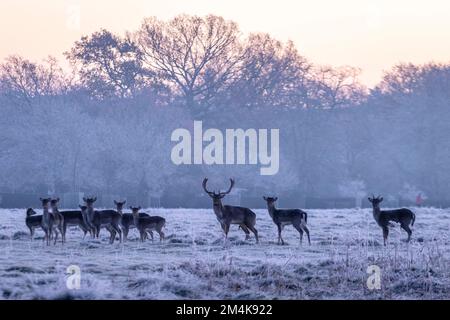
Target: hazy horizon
[{"x": 370, "y": 35}]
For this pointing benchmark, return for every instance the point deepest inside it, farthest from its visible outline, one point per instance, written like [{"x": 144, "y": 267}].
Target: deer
[
  {"x": 148, "y": 224},
  {"x": 384, "y": 217},
  {"x": 33, "y": 221},
  {"x": 283, "y": 217},
  {"x": 58, "y": 219},
  {"x": 108, "y": 219},
  {"x": 227, "y": 215},
  {"x": 48, "y": 221},
  {"x": 127, "y": 221},
  {"x": 70, "y": 218}
]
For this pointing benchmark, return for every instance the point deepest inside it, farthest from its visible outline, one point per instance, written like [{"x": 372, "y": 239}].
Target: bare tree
[
  {"x": 273, "y": 73},
  {"x": 197, "y": 56},
  {"x": 108, "y": 64},
  {"x": 24, "y": 81}
]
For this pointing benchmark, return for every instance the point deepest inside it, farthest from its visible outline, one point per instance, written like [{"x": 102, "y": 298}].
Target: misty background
[{"x": 104, "y": 127}]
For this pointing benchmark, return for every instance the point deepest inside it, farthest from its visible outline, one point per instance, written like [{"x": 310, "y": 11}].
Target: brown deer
[
  {"x": 148, "y": 223},
  {"x": 227, "y": 215},
  {"x": 281, "y": 218},
  {"x": 384, "y": 217},
  {"x": 58, "y": 219},
  {"x": 33, "y": 221},
  {"x": 48, "y": 221},
  {"x": 70, "y": 218},
  {"x": 108, "y": 219},
  {"x": 127, "y": 221}
]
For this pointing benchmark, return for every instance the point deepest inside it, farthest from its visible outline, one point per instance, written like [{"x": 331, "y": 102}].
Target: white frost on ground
[{"x": 194, "y": 263}]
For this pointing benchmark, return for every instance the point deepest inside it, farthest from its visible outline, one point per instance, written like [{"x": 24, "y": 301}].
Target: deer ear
[
  {"x": 124, "y": 202},
  {"x": 370, "y": 200},
  {"x": 131, "y": 207},
  {"x": 115, "y": 202},
  {"x": 265, "y": 198},
  {"x": 139, "y": 208},
  {"x": 276, "y": 198},
  {"x": 84, "y": 199},
  {"x": 381, "y": 199}
]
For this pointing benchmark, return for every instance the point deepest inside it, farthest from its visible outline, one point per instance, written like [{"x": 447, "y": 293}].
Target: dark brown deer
[
  {"x": 227, "y": 215},
  {"x": 48, "y": 221},
  {"x": 284, "y": 217},
  {"x": 148, "y": 223},
  {"x": 127, "y": 221},
  {"x": 33, "y": 221},
  {"x": 384, "y": 217},
  {"x": 70, "y": 218},
  {"x": 108, "y": 219},
  {"x": 58, "y": 219}
]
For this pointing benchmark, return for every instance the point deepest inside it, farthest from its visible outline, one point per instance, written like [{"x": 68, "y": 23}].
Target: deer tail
[
  {"x": 306, "y": 217},
  {"x": 413, "y": 218}
]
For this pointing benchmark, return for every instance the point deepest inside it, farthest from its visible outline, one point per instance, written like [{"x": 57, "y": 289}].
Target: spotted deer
[
  {"x": 148, "y": 223},
  {"x": 284, "y": 217},
  {"x": 384, "y": 217},
  {"x": 227, "y": 215}
]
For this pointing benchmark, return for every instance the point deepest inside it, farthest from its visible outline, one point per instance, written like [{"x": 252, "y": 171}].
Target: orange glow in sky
[{"x": 372, "y": 35}]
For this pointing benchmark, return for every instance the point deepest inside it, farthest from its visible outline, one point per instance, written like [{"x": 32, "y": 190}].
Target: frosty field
[{"x": 194, "y": 262}]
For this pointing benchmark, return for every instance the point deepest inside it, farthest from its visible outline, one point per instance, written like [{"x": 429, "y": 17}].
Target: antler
[
  {"x": 229, "y": 190},
  {"x": 204, "y": 186}
]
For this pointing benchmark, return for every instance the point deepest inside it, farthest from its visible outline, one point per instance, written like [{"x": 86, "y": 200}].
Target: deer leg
[
  {"x": 385, "y": 234},
  {"x": 300, "y": 231},
  {"x": 226, "y": 229},
  {"x": 161, "y": 235},
  {"x": 246, "y": 231},
  {"x": 117, "y": 229},
  {"x": 56, "y": 236},
  {"x": 305, "y": 228},
  {"x": 31, "y": 232},
  {"x": 279, "y": 234},
  {"x": 150, "y": 232},
  {"x": 408, "y": 230},
  {"x": 253, "y": 229},
  {"x": 64, "y": 229},
  {"x": 125, "y": 233}
]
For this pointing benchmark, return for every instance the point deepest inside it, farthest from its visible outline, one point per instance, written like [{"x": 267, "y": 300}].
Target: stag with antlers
[{"x": 227, "y": 215}]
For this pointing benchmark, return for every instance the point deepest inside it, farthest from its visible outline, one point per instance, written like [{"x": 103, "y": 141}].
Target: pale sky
[{"x": 372, "y": 35}]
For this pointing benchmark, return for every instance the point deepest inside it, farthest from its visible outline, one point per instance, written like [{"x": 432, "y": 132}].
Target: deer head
[
  {"x": 54, "y": 202},
  {"x": 270, "y": 200},
  {"x": 375, "y": 201},
  {"x": 119, "y": 205},
  {"x": 90, "y": 201},
  {"x": 135, "y": 210},
  {"x": 30, "y": 212},
  {"x": 45, "y": 202},
  {"x": 217, "y": 196}
]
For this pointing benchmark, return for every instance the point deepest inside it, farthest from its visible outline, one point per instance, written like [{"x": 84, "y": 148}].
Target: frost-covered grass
[{"x": 194, "y": 263}]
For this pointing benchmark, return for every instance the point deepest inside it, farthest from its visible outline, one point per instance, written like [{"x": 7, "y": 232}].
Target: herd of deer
[{"x": 53, "y": 221}]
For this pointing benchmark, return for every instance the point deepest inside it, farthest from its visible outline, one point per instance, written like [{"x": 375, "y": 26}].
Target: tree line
[{"x": 104, "y": 125}]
